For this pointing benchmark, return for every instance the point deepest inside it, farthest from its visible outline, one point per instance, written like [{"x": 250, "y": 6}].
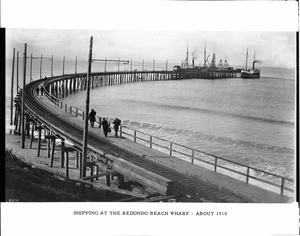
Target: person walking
[
  {"x": 42, "y": 90},
  {"x": 37, "y": 90},
  {"x": 92, "y": 117},
  {"x": 116, "y": 123},
  {"x": 105, "y": 126}
]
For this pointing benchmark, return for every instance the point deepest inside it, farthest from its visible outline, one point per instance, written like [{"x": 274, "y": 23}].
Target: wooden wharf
[
  {"x": 157, "y": 172},
  {"x": 61, "y": 86}
]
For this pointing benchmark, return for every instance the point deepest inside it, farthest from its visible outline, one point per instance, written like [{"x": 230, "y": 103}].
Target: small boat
[{"x": 250, "y": 73}]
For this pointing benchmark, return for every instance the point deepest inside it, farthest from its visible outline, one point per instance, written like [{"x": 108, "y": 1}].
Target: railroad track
[{"x": 205, "y": 191}]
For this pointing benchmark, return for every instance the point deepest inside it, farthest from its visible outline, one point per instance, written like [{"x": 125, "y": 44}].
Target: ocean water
[{"x": 247, "y": 121}]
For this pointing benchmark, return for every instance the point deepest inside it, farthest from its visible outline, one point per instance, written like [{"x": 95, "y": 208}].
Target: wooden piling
[
  {"x": 107, "y": 178},
  {"x": 67, "y": 165},
  {"x": 27, "y": 124},
  {"x": 32, "y": 134},
  {"x": 16, "y": 116},
  {"x": 52, "y": 151},
  {"x": 48, "y": 143},
  {"x": 39, "y": 128},
  {"x": 62, "y": 153}
]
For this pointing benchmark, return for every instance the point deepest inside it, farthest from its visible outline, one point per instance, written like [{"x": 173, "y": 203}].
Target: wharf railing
[
  {"x": 217, "y": 163},
  {"x": 194, "y": 156}
]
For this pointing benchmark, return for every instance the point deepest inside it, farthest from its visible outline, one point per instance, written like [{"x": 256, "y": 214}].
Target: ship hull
[{"x": 250, "y": 74}]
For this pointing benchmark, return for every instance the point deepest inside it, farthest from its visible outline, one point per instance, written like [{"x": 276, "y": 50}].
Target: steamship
[{"x": 250, "y": 73}]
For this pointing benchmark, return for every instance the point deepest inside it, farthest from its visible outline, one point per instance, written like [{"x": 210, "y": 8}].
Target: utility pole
[
  {"x": 17, "y": 71},
  {"x": 131, "y": 65},
  {"x": 12, "y": 89},
  {"x": 153, "y": 64},
  {"x": 143, "y": 65},
  {"x": 31, "y": 67},
  {"x": 64, "y": 65},
  {"x": 166, "y": 65},
  {"x": 105, "y": 65},
  {"x": 51, "y": 66},
  {"x": 23, "y": 91},
  {"x": 76, "y": 65},
  {"x": 86, "y": 124},
  {"x": 41, "y": 65},
  {"x": 118, "y": 64}
]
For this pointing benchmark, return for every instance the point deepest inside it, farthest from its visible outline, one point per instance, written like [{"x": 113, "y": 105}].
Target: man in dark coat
[
  {"x": 37, "y": 90},
  {"x": 116, "y": 123},
  {"x": 42, "y": 90},
  {"x": 92, "y": 117},
  {"x": 105, "y": 126}
]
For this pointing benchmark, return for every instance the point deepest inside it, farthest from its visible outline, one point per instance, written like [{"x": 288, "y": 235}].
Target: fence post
[
  {"x": 193, "y": 156},
  {"x": 248, "y": 171},
  {"x": 66, "y": 107},
  {"x": 282, "y": 185},
  {"x": 70, "y": 109},
  {"x": 121, "y": 131},
  {"x": 216, "y": 163},
  {"x": 171, "y": 146},
  {"x": 83, "y": 115},
  {"x": 61, "y": 105},
  {"x": 76, "y": 112},
  {"x": 135, "y": 136},
  {"x": 150, "y": 141}
]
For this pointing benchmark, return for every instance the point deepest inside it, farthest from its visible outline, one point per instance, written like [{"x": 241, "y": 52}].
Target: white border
[{"x": 151, "y": 15}]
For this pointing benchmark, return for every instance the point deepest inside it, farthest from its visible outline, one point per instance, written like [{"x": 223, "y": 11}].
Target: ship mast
[
  {"x": 247, "y": 59},
  {"x": 204, "y": 55},
  {"x": 253, "y": 61},
  {"x": 187, "y": 56}
]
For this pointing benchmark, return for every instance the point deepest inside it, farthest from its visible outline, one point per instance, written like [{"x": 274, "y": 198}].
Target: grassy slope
[{"x": 27, "y": 183}]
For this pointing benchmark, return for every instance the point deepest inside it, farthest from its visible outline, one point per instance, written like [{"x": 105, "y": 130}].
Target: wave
[
  {"x": 277, "y": 78},
  {"x": 214, "y": 112},
  {"x": 187, "y": 137}
]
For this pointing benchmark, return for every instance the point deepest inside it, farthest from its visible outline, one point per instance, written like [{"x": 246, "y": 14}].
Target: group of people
[
  {"x": 104, "y": 123},
  {"x": 38, "y": 90}
]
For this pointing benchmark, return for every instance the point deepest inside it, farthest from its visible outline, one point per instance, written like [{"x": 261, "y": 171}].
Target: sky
[{"x": 276, "y": 49}]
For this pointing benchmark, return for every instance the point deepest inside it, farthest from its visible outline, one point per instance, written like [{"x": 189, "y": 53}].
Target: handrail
[{"x": 171, "y": 150}]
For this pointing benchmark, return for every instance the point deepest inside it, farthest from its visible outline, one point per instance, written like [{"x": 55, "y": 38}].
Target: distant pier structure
[
  {"x": 209, "y": 69},
  {"x": 205, "y": 73}
]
